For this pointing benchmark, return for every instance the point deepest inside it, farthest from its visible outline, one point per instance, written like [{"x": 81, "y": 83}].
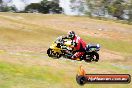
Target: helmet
[{"x": 71, "y": 34}]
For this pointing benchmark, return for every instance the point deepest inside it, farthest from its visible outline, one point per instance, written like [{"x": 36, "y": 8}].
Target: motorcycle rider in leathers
[{"x": 79, "y": 45}]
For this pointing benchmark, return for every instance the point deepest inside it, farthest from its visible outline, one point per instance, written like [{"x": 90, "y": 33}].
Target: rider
[{"x": 78, "y": 43}]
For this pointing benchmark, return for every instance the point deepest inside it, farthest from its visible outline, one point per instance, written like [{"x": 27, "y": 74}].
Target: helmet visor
[{"x": 71, "y": 36}]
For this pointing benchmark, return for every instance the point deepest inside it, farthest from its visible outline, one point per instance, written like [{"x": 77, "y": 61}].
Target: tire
[
  {"x": 88, "y": 58},
  {"x": 82, "y": 58},
  {"x": 49, "y": 52},
  {"x": 97, "y": 56},
  {"x": 58, "y": 55},
  {"x": 81, "y": 80}
]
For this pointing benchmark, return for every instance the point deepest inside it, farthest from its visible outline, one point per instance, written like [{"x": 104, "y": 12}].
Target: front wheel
[
  {"x": 58, "y": 55},
  {"x": 49, "y": 52}
]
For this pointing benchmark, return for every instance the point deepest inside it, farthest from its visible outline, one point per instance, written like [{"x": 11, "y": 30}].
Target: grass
[
  {"x": 33, "y": 68},
  {"x": 25, "y": 76},
  {"x": 37, "y": 36},
  {"x": 110, "y": 44},
  {"x": 114, "y": 20},
  {"x": 58, "y": 73},
  {"x": 18, "y": 74},
  {"x": 34, "y": 72}
]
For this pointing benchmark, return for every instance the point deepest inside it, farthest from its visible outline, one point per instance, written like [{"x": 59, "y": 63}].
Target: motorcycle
[
  {"x": 63, "y": 47},
  {"x": 91, "y": 53}
]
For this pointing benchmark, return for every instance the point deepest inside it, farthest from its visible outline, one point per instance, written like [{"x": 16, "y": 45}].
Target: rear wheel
[
  {"x": 95, "y": 56},
  {"x": 92, "y": 56},
  {"x": 88, "y": 57}
]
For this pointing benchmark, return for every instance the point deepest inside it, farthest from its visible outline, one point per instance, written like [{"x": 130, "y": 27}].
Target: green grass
[
  {"x": 34, "y": 69},
  {"x": 34, "y": 72},
  {"x": 44, "y": 35},
  {"x": 114, "y": 20},
  {"x": 13, "y": 72},
  {"x": 38, "y": 36},
  {"x": 110, "y": 44},
  {"x": 25, "y": 76},
  {"x": 58, "y": 74}
]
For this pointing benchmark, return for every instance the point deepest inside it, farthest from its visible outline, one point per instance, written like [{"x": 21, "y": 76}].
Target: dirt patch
[
  {"x": 125, "y": 67},
  {"x": 110, "y": 56},
  {"x": 113, "y": 31}
]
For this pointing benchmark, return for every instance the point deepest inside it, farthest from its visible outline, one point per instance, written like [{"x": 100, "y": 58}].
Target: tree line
[
  {"x": 5, "y": 8},
  {"x": 115, "y": 9},
  {"x": 120, "y": 9},
  {"x": 44, "y": 6}
]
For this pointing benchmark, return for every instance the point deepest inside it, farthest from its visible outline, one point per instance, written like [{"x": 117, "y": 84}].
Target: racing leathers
[{"x": 79, "y": 46}]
